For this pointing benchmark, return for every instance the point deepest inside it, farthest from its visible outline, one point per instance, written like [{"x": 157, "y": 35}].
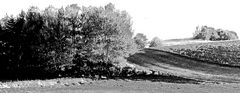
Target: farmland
[{"x": 222, "y": 52}]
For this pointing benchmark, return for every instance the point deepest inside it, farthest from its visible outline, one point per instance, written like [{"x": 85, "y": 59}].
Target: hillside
[
  {"x": 183, "y": 66},
  {"x": 220, "y": 52}
]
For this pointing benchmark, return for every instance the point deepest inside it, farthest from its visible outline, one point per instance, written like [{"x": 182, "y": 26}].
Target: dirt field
[{"x": 129, "y": 86}]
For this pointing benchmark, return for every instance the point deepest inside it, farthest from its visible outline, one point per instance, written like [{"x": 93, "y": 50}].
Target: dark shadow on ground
[
  {"x": 159, "y": 58},
  {"x": 159, "y": 78},
  {"x": 153, "y": 59}
]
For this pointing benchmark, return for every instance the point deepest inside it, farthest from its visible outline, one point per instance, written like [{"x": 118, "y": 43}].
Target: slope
[{"x": 177, "y": 65}]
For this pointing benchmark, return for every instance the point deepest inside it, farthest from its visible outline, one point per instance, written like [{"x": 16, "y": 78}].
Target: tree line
[
  {"x": 67, "y": 41},
  {"x": 210, "y": 33}
]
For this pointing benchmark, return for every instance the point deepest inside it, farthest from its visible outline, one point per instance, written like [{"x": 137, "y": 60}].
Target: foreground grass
[
  {"x": 131, "y": 86},
  {"x": 81, "y": 81},
  {"x": 44, "y": 83}
]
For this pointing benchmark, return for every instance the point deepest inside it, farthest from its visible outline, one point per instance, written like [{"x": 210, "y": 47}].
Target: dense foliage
[
  {"x": 155, "y": 42},
  {"x": 209, "y": 33},
  {"x": 141, "y": 40},
  {"x": 52, "y": 42},
  {"x": 222, "y": 53}
]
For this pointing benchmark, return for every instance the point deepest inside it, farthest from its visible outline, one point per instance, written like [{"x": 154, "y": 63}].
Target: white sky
[{"x": 166, "y": 19}]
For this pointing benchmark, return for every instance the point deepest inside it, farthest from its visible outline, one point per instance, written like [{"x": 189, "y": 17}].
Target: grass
[
  {"x": 65, "y": 82},
  {"x": 43, "y": 83},
  {"x": 223, "y": 52},
  {"x": 183, "y": 66}
]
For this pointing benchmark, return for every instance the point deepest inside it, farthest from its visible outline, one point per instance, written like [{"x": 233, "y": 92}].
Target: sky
[{"x": 166, "y": 19}]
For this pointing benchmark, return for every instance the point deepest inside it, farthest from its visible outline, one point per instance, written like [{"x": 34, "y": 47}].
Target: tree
[
  {"x": 19, "y": 41},
  {"x": 155, "y": 42},
  {"x": 0, "y": 28},
  {"x": 209, "y": 33},
  {"x": 119, "y": 36},
  {"x": 232, "y": 35},
  {"x": 106, "y": 33},
  {"x": 140, "y": 40},
  {"x": 54, "y": 35},
  {"x": 61, "y": 27}
]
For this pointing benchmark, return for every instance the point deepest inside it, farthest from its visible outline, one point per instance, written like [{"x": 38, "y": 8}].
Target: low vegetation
[{"x": 222, "y": 53}]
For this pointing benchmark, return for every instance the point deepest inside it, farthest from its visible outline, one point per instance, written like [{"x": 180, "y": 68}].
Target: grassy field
[
  {"x": 181, "y": 66},
  {"x": 129, "y": 86},
  {"x": 183, "y": 41},
  {"x": 196, "y": 59},
  {"x": 221, "y": 52}
]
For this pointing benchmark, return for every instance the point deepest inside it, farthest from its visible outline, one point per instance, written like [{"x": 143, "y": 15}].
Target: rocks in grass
[
  {"x": 43, "y": 83},
  {"x": 81, "y": 83},
  {"x": 66, "y": 85},
  {"x": 58, "y": 82},
  {"x": 148, "y": 72},
  {"x": 4, "y": 86},
  {"x": 46, "y": 83},
  {"x": 73, "y": 82},
  {"x": 103, "y": 77}
]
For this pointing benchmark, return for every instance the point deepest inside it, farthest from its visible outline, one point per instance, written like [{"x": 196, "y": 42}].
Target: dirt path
[
  {"x": 128, "y": 86},
  {"x": 166, "y": 62}
]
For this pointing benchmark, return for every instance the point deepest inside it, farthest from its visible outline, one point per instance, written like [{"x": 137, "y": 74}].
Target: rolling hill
[{"x": 165, "y": 61}]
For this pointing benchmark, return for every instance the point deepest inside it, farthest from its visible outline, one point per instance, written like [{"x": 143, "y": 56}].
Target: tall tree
[
  {"x": 118, "y": 34},
  {"x": 59, "y": 25},
  {"x": 20, "y": 39},
  {"x": 106, "y": 33}
]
